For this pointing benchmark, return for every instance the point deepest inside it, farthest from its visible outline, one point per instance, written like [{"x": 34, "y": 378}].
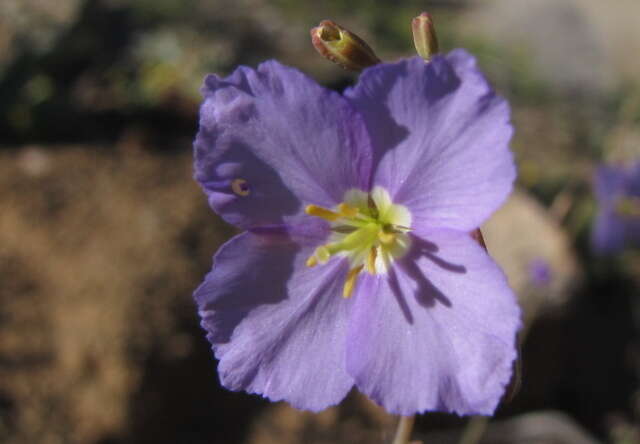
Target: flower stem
[
  {"x": 474, "y": 430},
  {"x": 403, "y": 433}
]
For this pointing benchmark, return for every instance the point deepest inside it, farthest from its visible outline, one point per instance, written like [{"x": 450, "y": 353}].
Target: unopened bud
[
  {"x": 424, "y": 36},
  {"x": 342, "y": 47}
]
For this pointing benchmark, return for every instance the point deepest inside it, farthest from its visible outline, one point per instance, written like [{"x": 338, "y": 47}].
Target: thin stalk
[
  {"x": 403, "y": 433},
  {"x": 474, "y": 430}
]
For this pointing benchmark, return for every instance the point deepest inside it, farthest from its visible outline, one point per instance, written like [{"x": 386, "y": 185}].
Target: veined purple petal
[
  {"x": 273, "y": 140},
  {"x": 437, "y": 333},
  {"x": 277, "y": 326},
  {"x": 440, "y": 138}
]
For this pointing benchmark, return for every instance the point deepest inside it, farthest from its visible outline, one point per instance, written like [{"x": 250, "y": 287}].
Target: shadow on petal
[
  {"x": 387, "y": 133},
  {"x": 378, "y": 97},
  {"x": 249, "y": 272},
  {"x": 399, "y": 295},
  {"x": 426, "y": 293}
]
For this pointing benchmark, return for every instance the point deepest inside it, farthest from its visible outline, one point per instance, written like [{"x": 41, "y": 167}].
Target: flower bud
[
  {"x": 424, "y": 36},
  {"x": 342, "y": 47}
]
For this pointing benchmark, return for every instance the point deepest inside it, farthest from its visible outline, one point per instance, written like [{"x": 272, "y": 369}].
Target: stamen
[
  {"x": 344, "y": 229},
  {"x": 354, "y": 241},
  {"x": 312, "y": 261},
  {"x": 373, "y": 208},
  {"x": 371, "y": 260},
  {"x": 322, "y": 254},
  {"x": 367, "y": 229},
  {"x": 315, "y": 210},
  {"x": 350, "y": 282},
  {"x": 386, "y": 238},
  {"x": 347, "y": 210}
]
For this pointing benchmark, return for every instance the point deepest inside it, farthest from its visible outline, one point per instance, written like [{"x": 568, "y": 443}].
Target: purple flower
[
  {"x": 540, "y": 272},
  {"x": 617, "y": 189},
  {"x": 356, "y": 267}
]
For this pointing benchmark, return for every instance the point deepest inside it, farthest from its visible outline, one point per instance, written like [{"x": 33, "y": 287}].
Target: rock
[
  {"x": 535, "y": 253},
  {"x": 575, "y": 45}
]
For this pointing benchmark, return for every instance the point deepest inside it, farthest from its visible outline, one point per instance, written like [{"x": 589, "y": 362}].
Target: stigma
[{"x": 367, "y": 229}]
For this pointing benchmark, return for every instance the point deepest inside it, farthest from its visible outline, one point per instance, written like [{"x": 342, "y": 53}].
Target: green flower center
[
  {"x": 628, "y": 207},
  {"x": 368, "y": 229}
]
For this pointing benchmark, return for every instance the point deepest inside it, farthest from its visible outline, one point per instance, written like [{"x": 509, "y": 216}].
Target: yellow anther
[
  {"x": 371, "y": 260},
  {"x": 312, "y": 261},
  {"x": 367, "y": 229},
  {"x": 315, "y": 210},
  {"x": 350, "y": 282},
  {"x": 322, "y": 254},
  {"x": 386, "y": 238},
  {"x": 240, "y": 187},
  {"x": 347, "y": 210}
]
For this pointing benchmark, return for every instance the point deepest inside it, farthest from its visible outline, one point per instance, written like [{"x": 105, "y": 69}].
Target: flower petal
[
  {"x": 277, "y": 326},
  {"x": 272, "y": 140},
  {"x": 440, "y": 138},
  {"x": 437, "y": 333},
  {"x": 609, "y": 230}
]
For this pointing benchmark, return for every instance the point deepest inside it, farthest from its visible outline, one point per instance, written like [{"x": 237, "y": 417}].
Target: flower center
[
  {"x": 628, "y": 207},
  {"x": 368, "y": 229}
]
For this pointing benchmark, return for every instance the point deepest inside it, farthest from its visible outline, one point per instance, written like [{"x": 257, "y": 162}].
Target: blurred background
[{"x": 104, "y": 234}]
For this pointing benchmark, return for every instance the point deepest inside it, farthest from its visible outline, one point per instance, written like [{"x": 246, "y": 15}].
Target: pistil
[{"x": 368, "y": 229}]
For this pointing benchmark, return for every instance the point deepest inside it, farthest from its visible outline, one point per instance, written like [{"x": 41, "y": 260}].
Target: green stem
[{"x": 403, "y": 433}]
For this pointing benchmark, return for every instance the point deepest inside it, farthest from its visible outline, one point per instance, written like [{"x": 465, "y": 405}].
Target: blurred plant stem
[
  {"x": 403, "y": 433},
  {"x": 474, "y": 430}
]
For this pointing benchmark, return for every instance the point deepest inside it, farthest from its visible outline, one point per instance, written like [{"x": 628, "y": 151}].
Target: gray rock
[
  {"x": 575, "y": 45},
  {"x": 535, "y": 253}
]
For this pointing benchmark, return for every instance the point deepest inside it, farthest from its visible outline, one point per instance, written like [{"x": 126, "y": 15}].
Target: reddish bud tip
[
  {"x": 342, "y": 47},
  {"x": 424, "y": 35}
]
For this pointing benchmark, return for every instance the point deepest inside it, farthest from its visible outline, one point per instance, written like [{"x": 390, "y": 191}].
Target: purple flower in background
[
  {"x": 540, "y": 272},
  {"x": 356, "y": 267},
  {"x": 617, "y": 189}
]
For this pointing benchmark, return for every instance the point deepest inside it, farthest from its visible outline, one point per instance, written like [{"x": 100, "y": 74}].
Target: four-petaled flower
[
  {"x": 617, "y": 189},
  {"x": 356, "y": 267}
]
